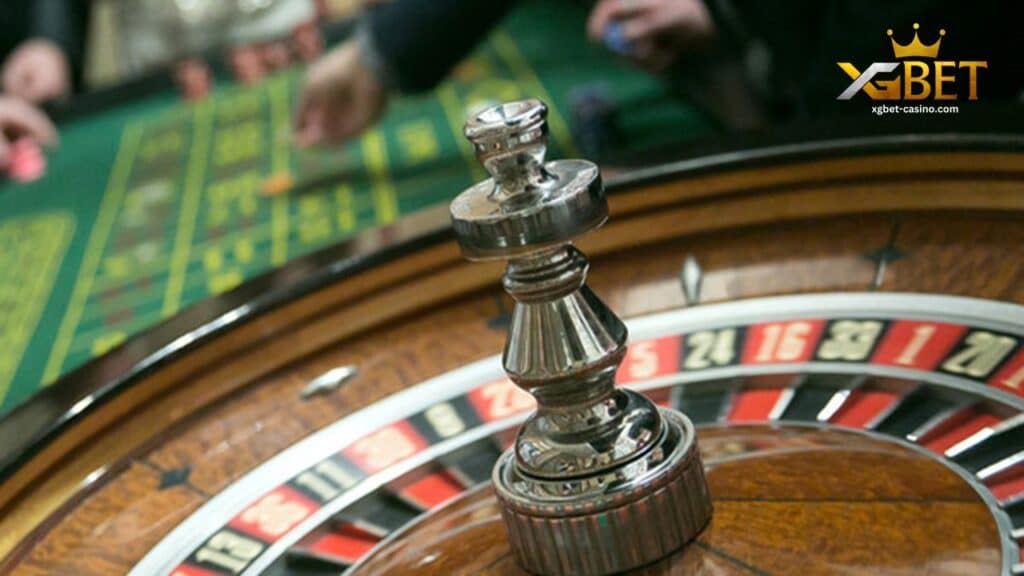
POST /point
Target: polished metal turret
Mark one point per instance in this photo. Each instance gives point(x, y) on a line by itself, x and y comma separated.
point(600, 480)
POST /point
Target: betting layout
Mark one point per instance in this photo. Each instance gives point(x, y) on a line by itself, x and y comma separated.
point(27, 271)
point(200, 197)
point(199, 174)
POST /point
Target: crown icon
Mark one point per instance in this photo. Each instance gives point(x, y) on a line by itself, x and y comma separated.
point(915, 48)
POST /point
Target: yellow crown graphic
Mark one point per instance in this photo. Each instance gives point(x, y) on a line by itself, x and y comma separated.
point(915, 48)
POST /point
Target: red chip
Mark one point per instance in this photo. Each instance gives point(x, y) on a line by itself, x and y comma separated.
point(27, 162)
point(29, 173)
point(247, 64)
point(29, 155)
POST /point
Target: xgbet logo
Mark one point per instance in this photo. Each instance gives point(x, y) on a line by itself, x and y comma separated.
point(918, 74)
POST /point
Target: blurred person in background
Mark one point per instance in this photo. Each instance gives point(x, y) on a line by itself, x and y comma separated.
point(251, 33)
point(743, 60)
point(42, 46)
point(409, 46)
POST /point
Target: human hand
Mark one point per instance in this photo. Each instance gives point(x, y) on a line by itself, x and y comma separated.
point(341, 98)
point(37, 71)
point(658, 31)
point(19, 119)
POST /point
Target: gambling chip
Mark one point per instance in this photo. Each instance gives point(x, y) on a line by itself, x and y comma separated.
point(194, 79)
point(27, 163)
point(616, 41)
point(277, 184)
point(246, 64)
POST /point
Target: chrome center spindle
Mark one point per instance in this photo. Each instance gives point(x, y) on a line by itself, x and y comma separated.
point(600, 480)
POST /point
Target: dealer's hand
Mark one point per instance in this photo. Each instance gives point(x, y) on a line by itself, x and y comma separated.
point(37, 71)
point(340, 100)
point(659, 31)
point(20, 119)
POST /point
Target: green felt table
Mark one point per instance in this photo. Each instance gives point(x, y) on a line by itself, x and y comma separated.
point(152, 205)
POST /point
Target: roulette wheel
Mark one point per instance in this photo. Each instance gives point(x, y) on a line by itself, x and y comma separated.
point(823, 375)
